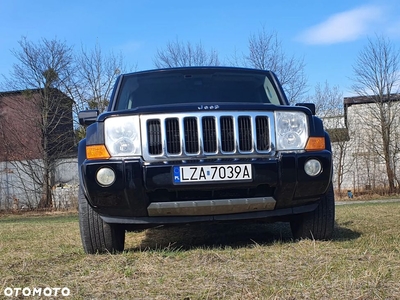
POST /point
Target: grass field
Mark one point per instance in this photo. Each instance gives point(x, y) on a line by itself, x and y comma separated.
point(219, 261)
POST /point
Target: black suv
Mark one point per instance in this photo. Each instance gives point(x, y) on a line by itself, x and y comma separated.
point(202, 144)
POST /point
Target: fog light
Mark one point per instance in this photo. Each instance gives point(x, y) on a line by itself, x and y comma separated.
point(105, 176)
point(313, 167)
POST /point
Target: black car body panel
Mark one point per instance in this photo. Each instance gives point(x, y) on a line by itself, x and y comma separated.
point(277, 176)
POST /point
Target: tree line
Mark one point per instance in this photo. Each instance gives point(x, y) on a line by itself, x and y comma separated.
point(87, 78)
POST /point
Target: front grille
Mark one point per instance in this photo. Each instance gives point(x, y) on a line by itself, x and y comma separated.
point(206, 135)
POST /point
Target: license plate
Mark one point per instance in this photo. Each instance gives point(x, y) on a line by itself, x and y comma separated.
point(183, 174)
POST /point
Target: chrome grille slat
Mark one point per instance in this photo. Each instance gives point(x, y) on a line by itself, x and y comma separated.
point(173, 137)
point(262, 133)
point(245, 133)
point(212, 135)
point(154, 136)
point(191, 135)
point(209, 135)
point(227, 134)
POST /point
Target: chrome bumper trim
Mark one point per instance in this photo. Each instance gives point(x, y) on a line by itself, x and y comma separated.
point(210, 207)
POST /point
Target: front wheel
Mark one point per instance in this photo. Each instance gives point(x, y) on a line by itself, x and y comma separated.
point(319, 223)
point(98, 236)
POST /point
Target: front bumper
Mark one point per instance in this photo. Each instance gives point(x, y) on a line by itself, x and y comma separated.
point(146, 194)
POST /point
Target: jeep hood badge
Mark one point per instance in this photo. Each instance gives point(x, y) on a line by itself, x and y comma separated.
point(210, 107)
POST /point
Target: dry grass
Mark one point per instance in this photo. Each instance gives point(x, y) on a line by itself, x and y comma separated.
point(243, 261)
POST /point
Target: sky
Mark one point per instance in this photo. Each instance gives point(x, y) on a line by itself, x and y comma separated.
point(328, 35)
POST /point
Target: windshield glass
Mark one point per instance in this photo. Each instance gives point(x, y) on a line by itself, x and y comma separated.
point(195, 86)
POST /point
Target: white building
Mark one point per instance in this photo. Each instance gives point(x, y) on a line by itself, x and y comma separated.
point(357, 142)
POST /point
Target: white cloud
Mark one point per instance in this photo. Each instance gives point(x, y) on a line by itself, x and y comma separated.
point(343, 27)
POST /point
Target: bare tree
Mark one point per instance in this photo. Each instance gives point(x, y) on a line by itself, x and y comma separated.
point(376, 78)
point(328, 100)
point(179, 54)
point(92, 80)
point(237, 59)
point(44, 111)
point(266, 53)
point(329, 106)
point(52, 85)
point(96, 74)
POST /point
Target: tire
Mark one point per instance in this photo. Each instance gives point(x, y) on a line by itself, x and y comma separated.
point(318, 224)
point(98, 236)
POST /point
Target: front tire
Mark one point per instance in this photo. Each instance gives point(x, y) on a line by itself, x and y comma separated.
point(98, 236)
point(319, 223)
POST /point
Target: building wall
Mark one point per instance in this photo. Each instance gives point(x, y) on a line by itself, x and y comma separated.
point(23, 127)
point(19, 189)
point(364, 164)
point(19, 132)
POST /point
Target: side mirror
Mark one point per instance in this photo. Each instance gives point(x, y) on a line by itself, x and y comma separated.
point(87, 117)
point(310, 106)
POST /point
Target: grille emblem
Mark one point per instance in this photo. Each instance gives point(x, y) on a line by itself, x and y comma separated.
point(208, 107)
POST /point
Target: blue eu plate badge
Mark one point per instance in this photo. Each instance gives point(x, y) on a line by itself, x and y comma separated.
point(177, 174)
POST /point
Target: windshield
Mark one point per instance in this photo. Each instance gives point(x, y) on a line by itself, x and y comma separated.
point(195, 86)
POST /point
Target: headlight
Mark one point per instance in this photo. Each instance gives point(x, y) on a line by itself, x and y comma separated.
point(122, 136)
point(291, 130)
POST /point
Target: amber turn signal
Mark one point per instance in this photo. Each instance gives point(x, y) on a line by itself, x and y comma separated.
point(315, 144)
point(97, 152)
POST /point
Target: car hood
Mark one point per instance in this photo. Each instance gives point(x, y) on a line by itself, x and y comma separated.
point(201, 107)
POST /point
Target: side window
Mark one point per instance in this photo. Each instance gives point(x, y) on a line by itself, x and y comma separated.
point(270, 91)
point(126, 94)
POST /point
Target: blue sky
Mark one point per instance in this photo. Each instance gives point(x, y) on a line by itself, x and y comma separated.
point(328, 34)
